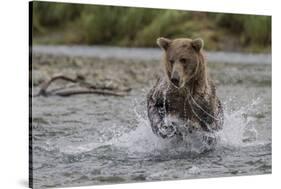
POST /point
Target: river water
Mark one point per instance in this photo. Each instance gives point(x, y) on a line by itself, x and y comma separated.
point(95, 139)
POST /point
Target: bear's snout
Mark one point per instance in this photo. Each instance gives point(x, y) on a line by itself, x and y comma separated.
point(175, 78)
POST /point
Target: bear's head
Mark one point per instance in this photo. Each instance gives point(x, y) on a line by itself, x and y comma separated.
point(183, 60)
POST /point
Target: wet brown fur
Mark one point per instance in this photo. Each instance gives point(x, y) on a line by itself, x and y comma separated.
point(195, 99)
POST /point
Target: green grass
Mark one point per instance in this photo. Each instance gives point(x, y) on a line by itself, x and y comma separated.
point(61, 23)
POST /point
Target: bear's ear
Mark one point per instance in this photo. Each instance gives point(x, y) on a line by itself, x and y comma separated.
point(197, 44)
point(163, 43)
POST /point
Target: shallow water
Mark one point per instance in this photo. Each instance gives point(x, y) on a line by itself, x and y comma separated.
point(91, 139)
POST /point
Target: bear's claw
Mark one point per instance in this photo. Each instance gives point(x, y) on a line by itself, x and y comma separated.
point(167, 131)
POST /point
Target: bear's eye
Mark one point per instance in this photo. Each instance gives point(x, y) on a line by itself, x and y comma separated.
point(172, 61)
point(183, 60)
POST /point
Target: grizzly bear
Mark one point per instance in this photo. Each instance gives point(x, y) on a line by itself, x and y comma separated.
point(184, 99)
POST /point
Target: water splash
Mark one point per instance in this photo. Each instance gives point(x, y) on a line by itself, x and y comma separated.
point(237, 129)
point(142, 140)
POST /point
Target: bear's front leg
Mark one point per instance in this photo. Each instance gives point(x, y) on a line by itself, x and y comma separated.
point(156, 115)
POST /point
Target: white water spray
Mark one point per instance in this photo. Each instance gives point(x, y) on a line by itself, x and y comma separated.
point(143, 140)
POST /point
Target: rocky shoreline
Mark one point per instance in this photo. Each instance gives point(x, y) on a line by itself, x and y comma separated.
point(129, 73)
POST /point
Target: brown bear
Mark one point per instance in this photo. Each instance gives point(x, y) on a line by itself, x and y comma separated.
point(185, 98)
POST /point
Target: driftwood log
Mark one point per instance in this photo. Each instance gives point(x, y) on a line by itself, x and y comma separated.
point(83, 88)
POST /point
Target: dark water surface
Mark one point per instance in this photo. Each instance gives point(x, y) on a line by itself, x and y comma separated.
point(92, 139)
